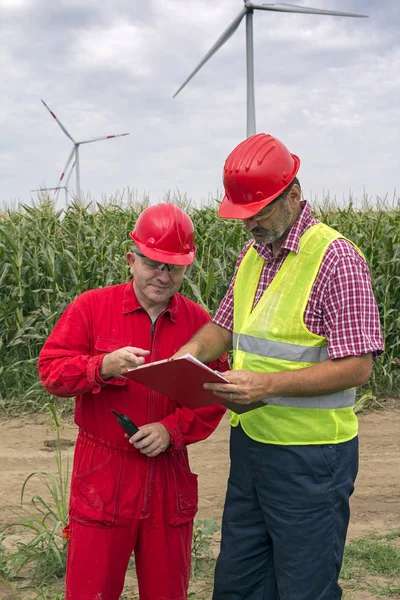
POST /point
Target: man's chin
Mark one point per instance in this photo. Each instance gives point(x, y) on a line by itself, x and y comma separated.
point(261, 239)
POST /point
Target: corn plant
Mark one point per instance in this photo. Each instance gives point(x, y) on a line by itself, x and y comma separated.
point(41, 555)
point(49, 256)
point(377, 233)
point(203, 533)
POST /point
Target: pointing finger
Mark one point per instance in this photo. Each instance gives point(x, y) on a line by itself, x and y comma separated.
point(137, 351)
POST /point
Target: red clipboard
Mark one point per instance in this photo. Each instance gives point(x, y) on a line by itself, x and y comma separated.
point(180, 379)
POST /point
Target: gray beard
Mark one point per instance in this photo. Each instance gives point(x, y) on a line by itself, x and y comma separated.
point(277, 230)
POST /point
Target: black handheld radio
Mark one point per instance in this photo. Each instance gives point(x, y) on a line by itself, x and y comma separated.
point(126, 423)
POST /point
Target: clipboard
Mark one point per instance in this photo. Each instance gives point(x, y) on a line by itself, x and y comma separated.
point(181, 380)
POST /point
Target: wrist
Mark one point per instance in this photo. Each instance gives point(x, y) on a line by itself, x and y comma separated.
point(269, 384)
point(176, 441)
point(103, 370)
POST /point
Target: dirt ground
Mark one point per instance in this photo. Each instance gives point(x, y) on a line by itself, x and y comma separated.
point(376, 502)
point(24, 448)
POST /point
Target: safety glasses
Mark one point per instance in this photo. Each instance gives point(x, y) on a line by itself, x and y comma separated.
point(268, 210)
point(153, 265)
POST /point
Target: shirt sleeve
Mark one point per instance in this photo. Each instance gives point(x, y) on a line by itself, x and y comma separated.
point(66, 366)
point(350, 313)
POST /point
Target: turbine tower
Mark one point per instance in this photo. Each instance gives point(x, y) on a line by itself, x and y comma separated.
point(247, 11)
point(75, 151)
point(59, 187)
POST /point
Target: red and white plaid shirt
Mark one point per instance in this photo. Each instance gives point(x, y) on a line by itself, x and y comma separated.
point(341, 306)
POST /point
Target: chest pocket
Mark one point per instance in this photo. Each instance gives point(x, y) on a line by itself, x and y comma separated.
point(108, 344)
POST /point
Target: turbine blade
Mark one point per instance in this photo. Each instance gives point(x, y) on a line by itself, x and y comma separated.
point(59, 122)
point(104, 137)
point(61, 187)
point(70, 173)
point(220, 42)
point(293, 8)
point(70, 157)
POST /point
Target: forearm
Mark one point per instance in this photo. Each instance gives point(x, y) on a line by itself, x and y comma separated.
point(326, 377)
point(66, 364)
point(208, 344)
point(323, 378)
point(187, 426)
point(67, 375)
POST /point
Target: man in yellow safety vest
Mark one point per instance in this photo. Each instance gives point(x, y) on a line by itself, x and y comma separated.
point(304, 326)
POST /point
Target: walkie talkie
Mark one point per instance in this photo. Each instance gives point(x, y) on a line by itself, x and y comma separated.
point(126, 423)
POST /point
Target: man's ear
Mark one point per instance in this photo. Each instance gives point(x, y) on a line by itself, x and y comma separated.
point(130, 257)
point(295, 194)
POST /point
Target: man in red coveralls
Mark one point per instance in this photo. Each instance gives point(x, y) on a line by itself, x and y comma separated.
point(139, 495)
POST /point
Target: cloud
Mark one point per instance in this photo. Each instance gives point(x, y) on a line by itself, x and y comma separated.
point(328, 87)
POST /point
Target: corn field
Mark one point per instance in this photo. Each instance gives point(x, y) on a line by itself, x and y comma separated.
point(49, 256)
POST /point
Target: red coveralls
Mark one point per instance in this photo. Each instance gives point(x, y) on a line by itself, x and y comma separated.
point(122, 501)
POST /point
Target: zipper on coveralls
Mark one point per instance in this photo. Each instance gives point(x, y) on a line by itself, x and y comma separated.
point(151, 462)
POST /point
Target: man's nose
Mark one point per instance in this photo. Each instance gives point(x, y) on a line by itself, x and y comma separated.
point(249, 223)
point(163, 275)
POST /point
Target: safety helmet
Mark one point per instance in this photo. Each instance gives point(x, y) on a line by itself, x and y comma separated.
point(256, 172)
point(165, 233)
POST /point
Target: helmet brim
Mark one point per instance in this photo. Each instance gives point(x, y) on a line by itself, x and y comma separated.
point(230, 210)
point(165, 257)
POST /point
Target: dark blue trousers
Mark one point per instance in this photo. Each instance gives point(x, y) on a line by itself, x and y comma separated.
point(285, 520)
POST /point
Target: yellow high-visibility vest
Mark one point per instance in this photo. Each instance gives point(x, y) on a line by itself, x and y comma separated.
point(273, 338)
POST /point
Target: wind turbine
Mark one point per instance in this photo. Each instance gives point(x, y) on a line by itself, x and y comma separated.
point(75, 151)
point(59, 187)
point(247, 11)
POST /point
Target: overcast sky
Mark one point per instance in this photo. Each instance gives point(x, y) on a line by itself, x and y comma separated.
point(328, 87)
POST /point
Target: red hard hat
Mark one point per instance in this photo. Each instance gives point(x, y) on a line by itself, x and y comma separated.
point(165, 233)
point(256, 172)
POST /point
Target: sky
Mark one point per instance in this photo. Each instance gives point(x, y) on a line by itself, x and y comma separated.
point(327, 87)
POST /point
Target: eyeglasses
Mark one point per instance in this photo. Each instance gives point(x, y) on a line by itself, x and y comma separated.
point(153, 265)
point(268, 210)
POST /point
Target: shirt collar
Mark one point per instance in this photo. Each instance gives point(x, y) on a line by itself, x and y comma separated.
point(130, 303)
point(292, 243)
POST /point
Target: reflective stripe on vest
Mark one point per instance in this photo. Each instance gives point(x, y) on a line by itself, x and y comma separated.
point(326, 401)
point(273, 349)
point(273, 338)
point(294, 352)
